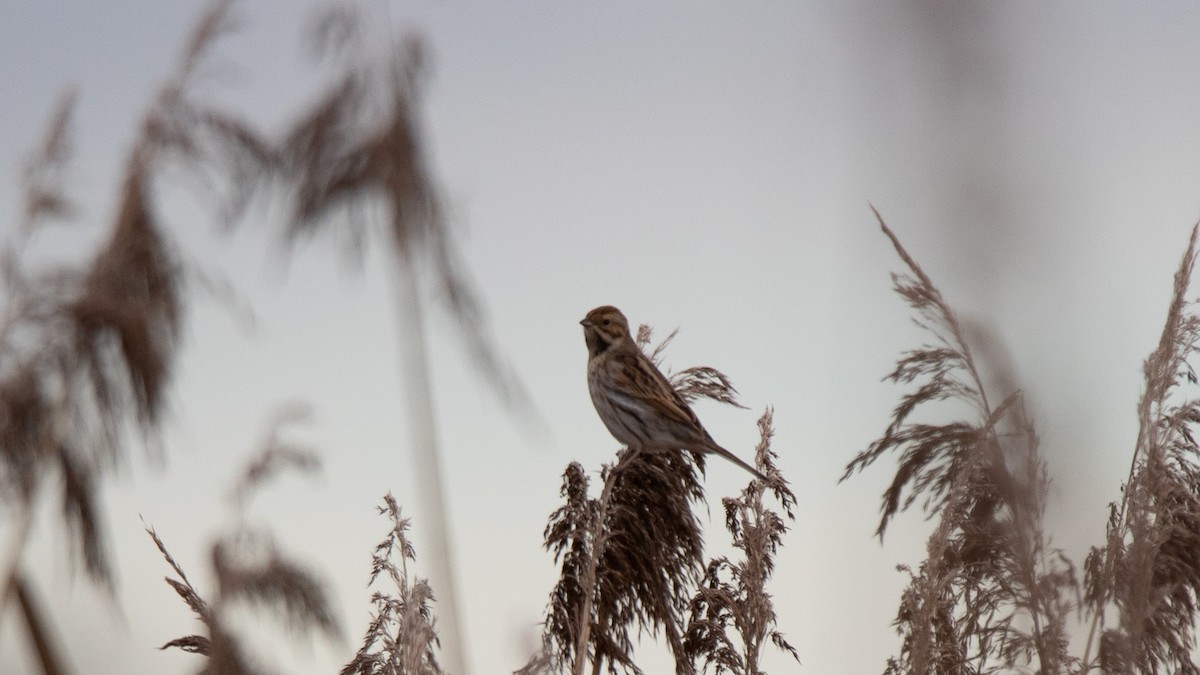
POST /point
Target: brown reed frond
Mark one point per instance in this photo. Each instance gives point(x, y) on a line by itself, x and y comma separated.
point(357, 154)
point(84, 351)
point(215, 22)
point(644, 335)
point(250, 569)
point(130, 308)
point(1149, 567)
point(218, 150)
point(632, 557)
point(277, 454)
point(932, 455)
point(37, 622)
point(355, 159)
point(540, 663)
point(401, 636)
point(628, 558)
point(45, 196)
point(705, 382)
point(691, 383)
point(196, 644)
point(732, 615)
point(991, 593)
point(182, 585)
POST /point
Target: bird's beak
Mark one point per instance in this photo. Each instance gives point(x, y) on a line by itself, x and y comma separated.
point(585, 323)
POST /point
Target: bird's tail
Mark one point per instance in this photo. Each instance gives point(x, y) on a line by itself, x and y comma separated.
point(714, 448)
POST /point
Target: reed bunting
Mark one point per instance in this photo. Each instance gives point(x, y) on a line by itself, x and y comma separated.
point(634, 399)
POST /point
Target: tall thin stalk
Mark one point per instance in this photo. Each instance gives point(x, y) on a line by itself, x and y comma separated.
point(357, 150)
point(429, 477)
point(583, 619)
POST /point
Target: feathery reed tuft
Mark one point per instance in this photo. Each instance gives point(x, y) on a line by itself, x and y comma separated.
point(401, 636)
point(732, 620)
point(357, 152)
point(991, 593)
point(251, 570)
point(1149, 566)
point(87, 351)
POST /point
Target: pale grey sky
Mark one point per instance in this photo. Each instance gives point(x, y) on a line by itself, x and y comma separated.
point(700, 165)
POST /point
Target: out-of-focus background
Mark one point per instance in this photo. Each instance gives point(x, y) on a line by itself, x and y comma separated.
point(703, 166)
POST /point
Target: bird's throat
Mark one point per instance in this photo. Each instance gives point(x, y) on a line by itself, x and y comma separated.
point(598, 344)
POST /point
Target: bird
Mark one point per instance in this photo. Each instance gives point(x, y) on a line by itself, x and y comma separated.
point(634, 399)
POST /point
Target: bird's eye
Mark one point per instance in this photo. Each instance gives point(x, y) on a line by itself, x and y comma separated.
point(607, 321)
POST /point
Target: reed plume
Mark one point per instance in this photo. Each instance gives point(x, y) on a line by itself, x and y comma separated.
point(251, 569)
point(992, 593)
point(1148, 569)
point(401, 636)
point(732, 616)
point(87, 351)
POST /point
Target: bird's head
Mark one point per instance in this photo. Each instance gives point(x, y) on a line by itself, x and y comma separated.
point(605, 327)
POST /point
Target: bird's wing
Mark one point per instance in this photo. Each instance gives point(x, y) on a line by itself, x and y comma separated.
point(647, 386)
point(651, 388)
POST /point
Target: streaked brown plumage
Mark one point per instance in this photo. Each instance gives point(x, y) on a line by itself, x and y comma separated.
point(634, 399)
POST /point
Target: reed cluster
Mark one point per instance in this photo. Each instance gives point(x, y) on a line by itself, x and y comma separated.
point(87, 353)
